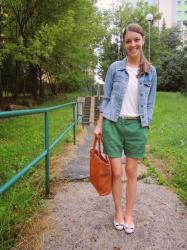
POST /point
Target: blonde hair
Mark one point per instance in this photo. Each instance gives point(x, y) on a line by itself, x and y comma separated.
point(144, 66)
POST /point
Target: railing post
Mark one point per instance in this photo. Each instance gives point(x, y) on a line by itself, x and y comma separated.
point(75, 121)
point(47, 160)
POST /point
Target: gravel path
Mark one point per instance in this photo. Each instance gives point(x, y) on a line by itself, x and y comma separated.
point(81, 219)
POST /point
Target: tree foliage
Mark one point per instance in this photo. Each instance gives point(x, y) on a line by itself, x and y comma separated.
point(170, 69)
point(54, 38)
point(170, 63)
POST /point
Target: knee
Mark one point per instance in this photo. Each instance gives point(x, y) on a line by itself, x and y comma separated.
point(117, 174)
point(131, 173)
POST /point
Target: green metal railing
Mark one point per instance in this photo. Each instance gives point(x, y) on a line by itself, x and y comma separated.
point(76, 118)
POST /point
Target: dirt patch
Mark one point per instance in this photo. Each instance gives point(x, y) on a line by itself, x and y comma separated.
point(25, 101)
point(161, 165)
point(30, 236)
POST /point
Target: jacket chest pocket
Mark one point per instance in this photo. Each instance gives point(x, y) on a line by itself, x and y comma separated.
point(117, 84)
point(147, 86)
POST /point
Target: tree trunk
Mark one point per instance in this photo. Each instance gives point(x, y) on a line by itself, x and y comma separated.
point(15, 88)
point(33, 80)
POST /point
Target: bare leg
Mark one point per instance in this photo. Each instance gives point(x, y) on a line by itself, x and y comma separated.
point(117, 187)
point(131, 187)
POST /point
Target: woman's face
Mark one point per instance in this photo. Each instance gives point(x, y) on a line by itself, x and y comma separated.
point(133, 43)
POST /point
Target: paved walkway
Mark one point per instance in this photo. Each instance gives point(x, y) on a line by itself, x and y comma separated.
point(81, 219)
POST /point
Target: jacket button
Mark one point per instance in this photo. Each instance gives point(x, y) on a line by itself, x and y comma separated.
point(142, 116)
point(141, 94)
point(141, 106)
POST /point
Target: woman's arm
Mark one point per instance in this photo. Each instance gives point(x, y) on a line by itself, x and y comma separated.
point(98, 128)
point(108, 87)
point(106, 98)
point(152, 97)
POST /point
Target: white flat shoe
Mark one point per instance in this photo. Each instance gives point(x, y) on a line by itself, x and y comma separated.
point(129, 229)
point(119, 226)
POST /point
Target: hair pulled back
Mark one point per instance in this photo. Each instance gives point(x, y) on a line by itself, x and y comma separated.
point(144, 66)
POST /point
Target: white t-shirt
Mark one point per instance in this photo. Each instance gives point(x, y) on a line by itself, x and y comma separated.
point(130, 99)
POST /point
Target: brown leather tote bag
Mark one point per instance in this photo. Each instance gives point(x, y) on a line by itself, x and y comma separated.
point(100, 169)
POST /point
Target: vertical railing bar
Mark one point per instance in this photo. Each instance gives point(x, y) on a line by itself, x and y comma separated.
point(74, 126)
point(47, 160)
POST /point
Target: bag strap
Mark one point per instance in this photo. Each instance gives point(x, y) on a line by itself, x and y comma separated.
point(99, 140)
point(96, 139)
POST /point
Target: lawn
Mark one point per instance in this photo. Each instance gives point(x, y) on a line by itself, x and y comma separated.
point(168, 139)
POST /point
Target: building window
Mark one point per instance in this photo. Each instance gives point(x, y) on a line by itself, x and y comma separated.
point(179, 2)
point(185, 12)
point(185, 2)
point(179, 12)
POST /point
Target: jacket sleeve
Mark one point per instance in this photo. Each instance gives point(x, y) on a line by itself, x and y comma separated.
point(108, 85)
point(152, 96)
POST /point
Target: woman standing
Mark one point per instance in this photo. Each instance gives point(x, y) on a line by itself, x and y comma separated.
point(125, 115)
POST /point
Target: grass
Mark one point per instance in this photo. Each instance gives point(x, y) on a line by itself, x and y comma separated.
point(153, 172)
point(21, 140)
point(168, 139)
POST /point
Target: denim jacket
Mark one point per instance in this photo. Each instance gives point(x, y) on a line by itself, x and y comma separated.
point(116, 82)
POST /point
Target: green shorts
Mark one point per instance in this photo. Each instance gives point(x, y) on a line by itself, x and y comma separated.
point(127, 135)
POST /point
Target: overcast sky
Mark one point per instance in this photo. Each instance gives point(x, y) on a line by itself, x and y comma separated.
point(107, 4)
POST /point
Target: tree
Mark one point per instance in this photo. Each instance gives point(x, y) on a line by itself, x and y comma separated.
point(171, 71)
point(58, 37)
point(170, 64)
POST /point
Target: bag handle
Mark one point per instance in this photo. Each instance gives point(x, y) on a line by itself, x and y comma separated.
point(99, 140)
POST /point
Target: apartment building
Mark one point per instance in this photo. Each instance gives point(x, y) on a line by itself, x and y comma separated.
point(168, 8)
point(182, 19)
point(181, 11)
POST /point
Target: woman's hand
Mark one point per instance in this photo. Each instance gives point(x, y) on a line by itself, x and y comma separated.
point(98, 131)
point(98, 128)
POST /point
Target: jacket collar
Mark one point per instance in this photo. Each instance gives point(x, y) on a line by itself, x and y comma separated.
point(122, 64)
